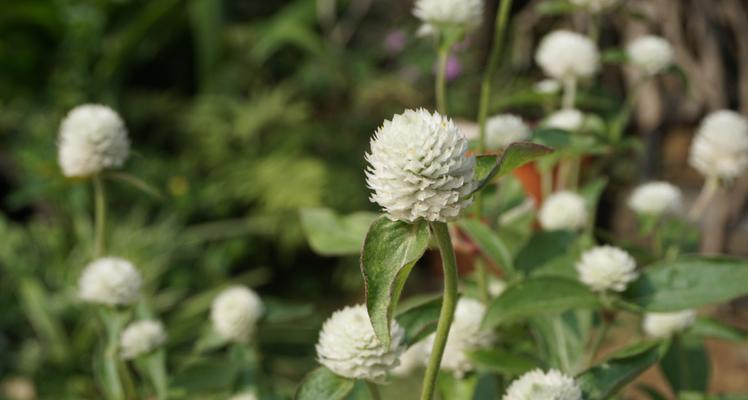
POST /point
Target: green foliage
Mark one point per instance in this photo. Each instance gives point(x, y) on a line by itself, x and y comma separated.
point(323, 384)
point(604, 380)
point(517, 154)
point(331, 235)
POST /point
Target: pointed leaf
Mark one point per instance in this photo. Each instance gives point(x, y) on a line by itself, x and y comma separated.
point(324, 384)
point(334, 235)
point(489, 243)
point(604, 380)
point(686, 364)
point(391, 249)
point(709, 328)
point(419, 320)
point(516, 155)
point(501, 361)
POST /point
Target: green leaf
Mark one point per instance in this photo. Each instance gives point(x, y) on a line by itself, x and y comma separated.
point(489, 243)
point(562, 338)
point(538, 296)
point(516, 155)
point(454, 388)
point(333, 235)
point(544, 251)
point(689, 283)
point(391, 249)
point(556, 7)
point(606, 379)
point(709, 328)
point(686, 365)
point(323, 384)
point(419, 320)
point(614, 56)
point(502, 362)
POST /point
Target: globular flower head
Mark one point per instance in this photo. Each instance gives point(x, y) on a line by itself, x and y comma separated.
point(349, 347)
point(663, 325)
point(465, 335)
point(565, 54)
point(141, 337)
point(567, 119)
point(418, 167)
point(92, 138)
point(595, 5)
point(111, 281)
point(563, 210)
point(505, 129)
point(539, 385)
point(720, 148)
point(656, 198)
point(606, 268)
point(466, 14)
point(235, 313)
point(650, 53)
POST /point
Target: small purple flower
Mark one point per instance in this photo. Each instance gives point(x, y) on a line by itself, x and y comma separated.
point(394, 42)
point(454, 68)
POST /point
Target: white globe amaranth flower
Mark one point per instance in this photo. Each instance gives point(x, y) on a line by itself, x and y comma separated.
point(110, 280)
point(235, 313)
point(539, 385)
point(652, 54)
point(418, 167)
point(720, 148)
point(249, 395)
point(663, 325)
point(141, 337)
point(564, 54)
point(496, 287)
point(416, 356)
point(656, 198)
point(92, 138)
point(548, 86)
point(349, 347)
point(563, 210)
point(462, 13)
point(505, 129)
point(595, 5)
point(567, 119)
point(465, 335)
point(606, 268)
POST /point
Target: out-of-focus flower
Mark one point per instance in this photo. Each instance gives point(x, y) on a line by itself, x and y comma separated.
point(453, 69)
point(466, 14)
point(92, 138)
point(496, 287)
point(720, 148)
point(249, 395)
point(568, 119)
point(394, 42)
point(563, 210)
point(349, 347)
point(595, 5)
point(539, 385)
point(141, 337)
point(564, 54)
point(650, 53)
point(111, 281)
point(606, 268)
point(418, 167)
point(235, 313)
point(663, 325)
point(656, 198)
point(415, 357)
point(17, 388)
point(505, 129)
point(548, 86)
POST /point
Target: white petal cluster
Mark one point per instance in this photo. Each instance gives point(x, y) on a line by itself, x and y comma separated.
point(720, 148)
point(465, 334)
point(235, 313)
point(595, 5)
point(567, 119)
point(548, 86)
point(656, 198)
point(244, 396)
point(606, 268)
point(496, 287)
point(663, 325)
point(505, 129)
point(349, 347)
point(563, 210)
point(92, 138)
point(141, 337)
point(111, 281)
point(464, 13)
point(564, 54)
point(418, 167)
point(650, 53)
point(539, 385)
point(415, 357)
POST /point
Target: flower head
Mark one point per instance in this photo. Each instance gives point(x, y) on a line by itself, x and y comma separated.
point(92, 138)
point(595, 5)
point(539, 385)
point(349, 347)
point(465, 334)
point(111, 281)
point(418, 167)
point(567, 119)
point(141, 337)
point(663, 325)
point(606, 268)
point(565, 54)
point(563, 210)
point(650, 53)
point(656, 198)
point(505, 129)
point(720, 148)
point(235, 313)
point(466, 14)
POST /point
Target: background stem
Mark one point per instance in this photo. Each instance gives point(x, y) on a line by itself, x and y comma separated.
point(373, 391)
point(441, 80)
point(99, 215)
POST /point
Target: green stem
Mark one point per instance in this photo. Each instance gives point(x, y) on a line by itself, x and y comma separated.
point(599, 340)
point(570, 92)
point(449, 302)
point(156, 369)
point(373, 391)
point(441, 80)
point(705, 197)
point(99, 215)
point(113, 384)
point(483, 281)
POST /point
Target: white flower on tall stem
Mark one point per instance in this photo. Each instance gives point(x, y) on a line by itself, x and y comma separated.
point(720, 148)
point(567, 119)
point(92, 138)
point(235, 313)
point(111, 281)
point(349, 347)
point(663, 325)
point(466, 14)
point(652, 54)
point(418, 167)
point(539, 385)
point(656, 198)
point(606, 268)
point(505, 129)
point(563, 210)
point(141, 337)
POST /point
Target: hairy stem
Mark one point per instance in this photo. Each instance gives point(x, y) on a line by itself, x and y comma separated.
point(449, 302)
point(99, 215)
point(373, 391)
point(441, 80)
